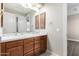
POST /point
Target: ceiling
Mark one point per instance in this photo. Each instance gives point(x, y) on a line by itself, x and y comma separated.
point(16, 8)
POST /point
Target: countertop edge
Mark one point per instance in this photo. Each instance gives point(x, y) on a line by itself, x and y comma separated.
point(3, 41)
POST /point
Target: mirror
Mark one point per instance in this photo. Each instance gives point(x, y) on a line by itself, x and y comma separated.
point(17, 18)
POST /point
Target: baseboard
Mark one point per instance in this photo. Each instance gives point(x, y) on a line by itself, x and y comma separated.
point(52, 53)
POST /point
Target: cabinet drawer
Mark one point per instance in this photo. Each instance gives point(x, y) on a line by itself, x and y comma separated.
point(12, 44)
point(37, 40)
point(29, 44)
point(29, 53)
point(44, 37)
point(28, 41)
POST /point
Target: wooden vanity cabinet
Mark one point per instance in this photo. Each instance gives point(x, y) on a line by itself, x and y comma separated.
point(14, 48)
point(28, 47)
point(15, 51)
point(24, 47)
point(37, 46)
point(40, 45)
point(2, 49)
point(43, 43)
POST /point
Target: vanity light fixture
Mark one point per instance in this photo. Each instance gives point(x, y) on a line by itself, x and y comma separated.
point(34, 6)
point(37, 5)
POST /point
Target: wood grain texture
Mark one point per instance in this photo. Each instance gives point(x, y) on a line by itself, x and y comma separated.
point(37, 42)
point(27, 47)
point(37, 22)
point(42, 20)
point(43, 44)
point(15, 51)
point(37, 52)
point(12, 44)
point(29, 53)
point(2, 49)
point(36, 46)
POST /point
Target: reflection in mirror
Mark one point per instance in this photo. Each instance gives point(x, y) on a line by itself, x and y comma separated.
point(17, 18)
point(16, 24)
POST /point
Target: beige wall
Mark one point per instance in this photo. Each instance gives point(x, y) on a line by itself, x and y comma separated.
point(73, 26)
point(56, 28)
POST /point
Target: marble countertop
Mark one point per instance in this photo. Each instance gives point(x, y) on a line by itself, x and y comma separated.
point(20, 36)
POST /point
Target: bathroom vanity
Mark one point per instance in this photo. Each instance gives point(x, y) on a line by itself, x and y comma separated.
point(29, 46)
point(19, 38)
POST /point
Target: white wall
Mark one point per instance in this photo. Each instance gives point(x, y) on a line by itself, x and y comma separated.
point(55, 23)
point(56, 19)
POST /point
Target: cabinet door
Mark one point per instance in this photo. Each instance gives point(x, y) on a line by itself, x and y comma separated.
point(15, 51)
point(28, 47)
point(2, 49)
point(37, 46)
point(37, 22)
point(43, 44)
point(42, 20)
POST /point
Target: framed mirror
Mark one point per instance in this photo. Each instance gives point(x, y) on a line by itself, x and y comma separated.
point(17, 18)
